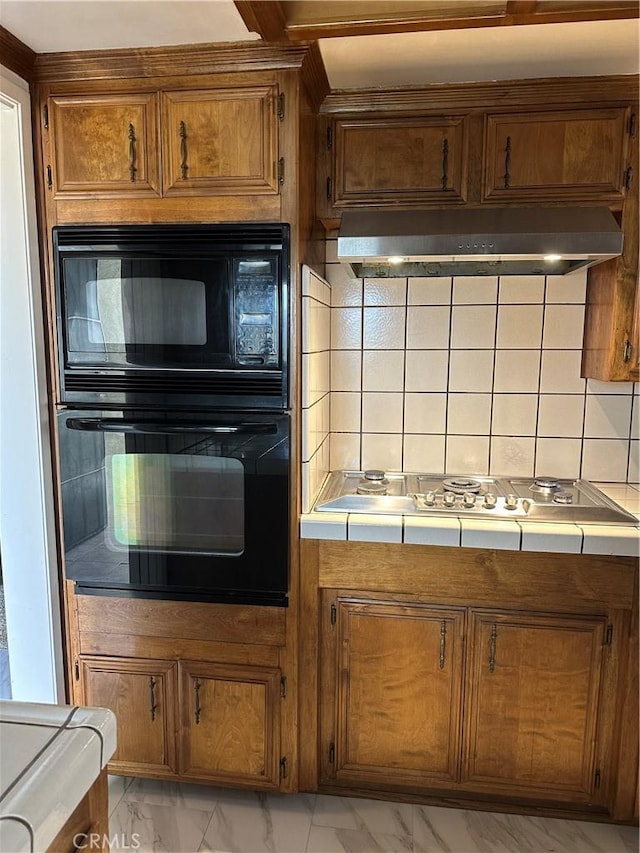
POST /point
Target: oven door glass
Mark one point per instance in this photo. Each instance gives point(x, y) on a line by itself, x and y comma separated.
point(176, 506)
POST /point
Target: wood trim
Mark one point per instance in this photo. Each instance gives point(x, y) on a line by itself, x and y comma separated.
point(314, 76)
point(170, 61)
point(480, 577)
point(309, 661)
point(181, 620)
point(265, 17)
point(308, 30)
point(16, 55)
point(509, 94)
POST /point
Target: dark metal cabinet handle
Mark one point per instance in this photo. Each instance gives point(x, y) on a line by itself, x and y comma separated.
point(628, 177)
point(445, 163)
point(507, 163)
point(492, 648)
point(152, 698)
point(443, 643)
point(198, 709)
point(132, 153)
point(183, 151)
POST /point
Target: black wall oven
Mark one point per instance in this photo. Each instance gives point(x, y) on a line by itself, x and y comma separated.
point(173, 427)
point(176, 505)
point(180, 316)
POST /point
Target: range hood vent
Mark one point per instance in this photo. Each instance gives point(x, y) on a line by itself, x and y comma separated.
point(483, 241)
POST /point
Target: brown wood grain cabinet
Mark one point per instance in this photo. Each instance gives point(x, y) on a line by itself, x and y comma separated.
point(532, 700)
point(142, 695)
point(104, 144)
point(222, 141)
point(392, 691)
point(391, 160)
point(560, 155)
point(394, 676)
point(230, 723)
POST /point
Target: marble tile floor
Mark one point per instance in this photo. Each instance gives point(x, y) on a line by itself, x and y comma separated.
point(178, 818)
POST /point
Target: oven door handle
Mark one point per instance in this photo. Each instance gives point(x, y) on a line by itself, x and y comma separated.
point(168, 427)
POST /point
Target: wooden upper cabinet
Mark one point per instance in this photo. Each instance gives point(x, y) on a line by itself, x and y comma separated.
point(230, 723)
point(398, 161)
point(104, 144)
point(141, 693)
point(533, 694)
point(220, 142)
point(391, 694)
point(572, 155)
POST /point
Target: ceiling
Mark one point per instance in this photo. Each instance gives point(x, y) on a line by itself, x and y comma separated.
point(378, 43)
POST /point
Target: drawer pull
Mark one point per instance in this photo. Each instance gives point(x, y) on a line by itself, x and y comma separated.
point(132, 153)
point(507, 163)
point(492, 648)
point(183, 151)
point(445, 163)
point(198, 709)
point(443, 643)
point(152, 698)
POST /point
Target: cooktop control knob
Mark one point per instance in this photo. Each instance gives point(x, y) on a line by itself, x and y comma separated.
point(469, 499)
point(449, 499)
point(430, 498)
point(511, 502)
point(490, 500)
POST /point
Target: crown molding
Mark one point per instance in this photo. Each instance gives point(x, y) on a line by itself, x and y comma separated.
point(176, 60)
point(507, 93)
point(16, 56)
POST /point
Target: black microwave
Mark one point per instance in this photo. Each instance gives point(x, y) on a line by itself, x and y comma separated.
point(173, 316)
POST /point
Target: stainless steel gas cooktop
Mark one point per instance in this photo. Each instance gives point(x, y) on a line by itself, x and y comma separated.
point(521, 498)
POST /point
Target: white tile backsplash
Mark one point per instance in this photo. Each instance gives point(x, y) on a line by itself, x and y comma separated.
point(464, 375)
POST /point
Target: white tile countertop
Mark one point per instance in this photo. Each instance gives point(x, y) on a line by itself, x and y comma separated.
point(50, 755)
point(455, 531)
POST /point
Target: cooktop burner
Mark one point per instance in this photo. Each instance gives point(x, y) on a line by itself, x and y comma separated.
point(525, 499)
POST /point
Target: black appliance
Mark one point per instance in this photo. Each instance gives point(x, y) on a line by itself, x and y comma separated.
point(173, 316)
point(177, 505)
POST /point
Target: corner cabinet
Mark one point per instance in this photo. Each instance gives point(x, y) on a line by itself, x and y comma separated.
point(103, 144)
point(427, 697)
point(568, 155)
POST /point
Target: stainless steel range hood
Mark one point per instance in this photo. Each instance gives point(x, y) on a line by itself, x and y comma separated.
point(483, 241)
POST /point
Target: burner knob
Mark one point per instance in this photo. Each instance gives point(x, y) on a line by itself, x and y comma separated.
point(449, 499)
point(511, 502)
point(490, 500)
point(469, 499)
point(374, 474)
point(430, 498)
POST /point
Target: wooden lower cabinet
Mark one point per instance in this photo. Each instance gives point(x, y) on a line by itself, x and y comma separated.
point(142, 695)
point(392, 707)
point(199, 720)
point(426, 697)
point(532, 704)
point(230, 723)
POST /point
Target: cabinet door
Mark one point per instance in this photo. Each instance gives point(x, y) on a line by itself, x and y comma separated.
point(390, 703)
point(575, 155)
point(391, 161)
point(230, 723)
point(105, 145)
point(141, 693)
point(533, 694)
point(220, 142)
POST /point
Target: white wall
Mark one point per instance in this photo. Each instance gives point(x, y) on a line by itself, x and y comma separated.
point(27, 535)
